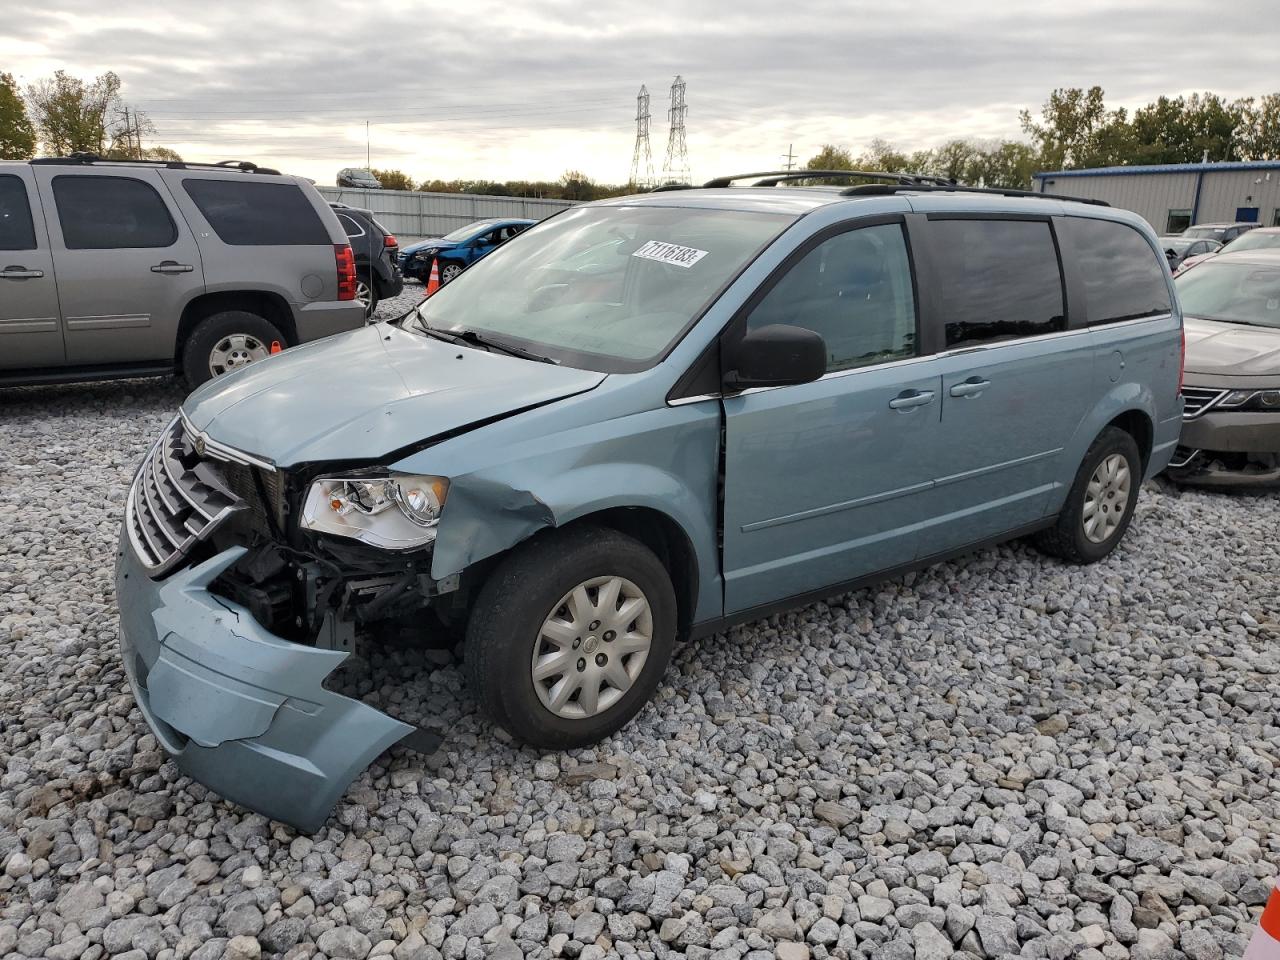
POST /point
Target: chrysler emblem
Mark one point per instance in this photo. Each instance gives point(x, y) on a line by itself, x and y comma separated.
point(200, 446)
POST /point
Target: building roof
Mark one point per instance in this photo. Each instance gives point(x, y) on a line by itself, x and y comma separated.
point(1225, 166)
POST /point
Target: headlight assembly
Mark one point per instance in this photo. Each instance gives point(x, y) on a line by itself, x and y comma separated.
point(1251, 400)
point(395, 512)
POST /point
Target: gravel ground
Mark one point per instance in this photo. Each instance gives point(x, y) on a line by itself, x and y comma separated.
point(999, 756)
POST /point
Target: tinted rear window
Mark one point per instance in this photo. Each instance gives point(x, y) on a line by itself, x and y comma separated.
point(111, 213)
point(248, 214)
point(1123, 277)
point(16, 230)
point(999, 280)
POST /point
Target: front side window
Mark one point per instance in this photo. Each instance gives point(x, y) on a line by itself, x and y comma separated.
point(606, 288)
point(16, 229)
point(998, 280)
point(853, 289)
point(248, 214)
point(1123, 279)
point(111, 213)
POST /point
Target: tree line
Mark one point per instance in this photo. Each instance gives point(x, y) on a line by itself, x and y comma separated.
point(1075, 129)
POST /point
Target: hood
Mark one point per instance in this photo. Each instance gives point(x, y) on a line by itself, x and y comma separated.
point(363, 394)
point(1231, 349)
point(427, 245)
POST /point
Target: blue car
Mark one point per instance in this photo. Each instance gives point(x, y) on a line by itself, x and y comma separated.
point(458, 250)
point(644, 420)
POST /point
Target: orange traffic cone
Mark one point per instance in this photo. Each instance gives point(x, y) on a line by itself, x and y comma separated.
point(1265, 944)
point(433, 281)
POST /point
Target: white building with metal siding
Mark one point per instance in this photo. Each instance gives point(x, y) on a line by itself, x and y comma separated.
point(413, 215)
point(1171, 197)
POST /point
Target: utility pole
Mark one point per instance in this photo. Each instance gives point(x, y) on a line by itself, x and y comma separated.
point(676, 169)
point(790, 157)
point(368, 165)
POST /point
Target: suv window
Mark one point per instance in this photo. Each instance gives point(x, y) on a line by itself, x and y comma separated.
point(248, 214)
point(998, 280)
point(111, 213)
point(1122, 275)
point(350, 226)
point(855, 290)
point(16, 229)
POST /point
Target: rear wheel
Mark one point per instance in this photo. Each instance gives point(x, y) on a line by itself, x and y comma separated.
point(226, 341)
point(570, 636)
point(367, 294)
point(1100, 504)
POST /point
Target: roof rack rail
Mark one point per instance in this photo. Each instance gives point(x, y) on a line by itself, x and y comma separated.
point(771, 178)
point(85, 157)
point(882, 189)
point(673, 186)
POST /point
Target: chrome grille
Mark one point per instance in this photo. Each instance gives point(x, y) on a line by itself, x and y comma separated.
point(1198, 400)
point(179, 496)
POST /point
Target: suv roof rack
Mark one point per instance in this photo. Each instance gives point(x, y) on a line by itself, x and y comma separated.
point(85, 157)
point(881, 189)
point(771, 178)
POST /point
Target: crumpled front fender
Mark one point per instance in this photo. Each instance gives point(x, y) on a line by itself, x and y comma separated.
point(242, 710)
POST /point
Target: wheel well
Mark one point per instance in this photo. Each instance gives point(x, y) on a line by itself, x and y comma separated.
point(1139, 426)
point(269, 306)
point(668, 541)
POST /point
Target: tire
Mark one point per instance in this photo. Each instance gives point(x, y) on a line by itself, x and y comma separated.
point(1080, 538)
point(520, 598)
point(215, 339)
point(370, 297)
point(449, 271)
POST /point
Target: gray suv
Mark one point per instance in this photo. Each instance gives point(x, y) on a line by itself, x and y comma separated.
point(125, 268)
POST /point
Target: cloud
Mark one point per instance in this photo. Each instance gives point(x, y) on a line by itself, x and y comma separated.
point(508, 90)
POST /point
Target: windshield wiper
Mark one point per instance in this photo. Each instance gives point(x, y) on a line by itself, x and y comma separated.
point(479, 340)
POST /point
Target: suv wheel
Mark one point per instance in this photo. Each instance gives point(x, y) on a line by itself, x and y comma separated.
point(226, 341)
point(1100, 504)
point(570, 636)
point(368, 295)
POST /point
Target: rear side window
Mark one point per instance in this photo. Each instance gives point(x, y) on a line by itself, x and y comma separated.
point(248, 214)
point(16, 229)
point(349, 224)
point(111, 213)
point(998, 280)
point(1123, 277)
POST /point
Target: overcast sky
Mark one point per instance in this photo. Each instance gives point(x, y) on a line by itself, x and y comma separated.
point(524, 91)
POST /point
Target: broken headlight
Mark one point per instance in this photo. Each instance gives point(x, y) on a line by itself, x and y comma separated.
point(395, 512)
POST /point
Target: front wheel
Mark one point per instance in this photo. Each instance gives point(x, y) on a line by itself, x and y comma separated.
point(1099, 507)
point(570, 636)
point(449, 271)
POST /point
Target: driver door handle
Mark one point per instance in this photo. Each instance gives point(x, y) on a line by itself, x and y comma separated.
point(20, 273)
point(970, 388)
point(911, 398)
point(172, 266)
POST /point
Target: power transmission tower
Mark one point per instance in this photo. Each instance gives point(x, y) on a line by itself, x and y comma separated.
point(642, 159)
point(676, 169)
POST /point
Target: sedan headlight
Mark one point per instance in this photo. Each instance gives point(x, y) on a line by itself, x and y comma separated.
point(395, 512)
point(1251, 400)
point(426, 254)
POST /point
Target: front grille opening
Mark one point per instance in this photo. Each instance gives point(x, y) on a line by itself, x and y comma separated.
point(1198, 400)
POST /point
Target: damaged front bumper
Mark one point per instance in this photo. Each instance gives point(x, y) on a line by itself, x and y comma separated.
point(240, 709)
point(1225, 448)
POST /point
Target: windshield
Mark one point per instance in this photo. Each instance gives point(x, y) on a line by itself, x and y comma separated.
point(1205, 233)
point(607, 288)
point(1176, 244)
point(1231, 292)
point(470, 230)
point(1253, 240)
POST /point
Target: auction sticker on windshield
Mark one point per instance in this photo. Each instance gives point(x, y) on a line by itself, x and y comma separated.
point(671, 253)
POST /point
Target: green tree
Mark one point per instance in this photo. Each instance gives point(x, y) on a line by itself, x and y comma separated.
point(1259, 131)
point(1077, 130)
point(576, 185)
point(72, 115)
point(393, 179)
point(1008, 163)
point(831, 157)
point(17, 134)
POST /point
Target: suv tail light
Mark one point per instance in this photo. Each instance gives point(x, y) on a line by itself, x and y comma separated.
point(390, 241)
point(345, 261)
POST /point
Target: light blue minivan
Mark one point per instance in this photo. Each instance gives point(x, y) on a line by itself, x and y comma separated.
point(641, 421)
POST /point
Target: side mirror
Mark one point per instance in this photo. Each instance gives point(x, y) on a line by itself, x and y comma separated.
point(776, 356)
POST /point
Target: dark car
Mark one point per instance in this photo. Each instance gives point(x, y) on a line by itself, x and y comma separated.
point(358, 178)
point(377, 256)
point(458, 250)
point(1180, 248)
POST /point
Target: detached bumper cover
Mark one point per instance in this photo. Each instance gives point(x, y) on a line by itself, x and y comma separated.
point(238, 708)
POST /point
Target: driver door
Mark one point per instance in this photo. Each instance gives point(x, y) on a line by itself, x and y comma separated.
point(824, 480)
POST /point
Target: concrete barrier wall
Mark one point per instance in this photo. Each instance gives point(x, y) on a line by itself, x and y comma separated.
point(412, 215)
